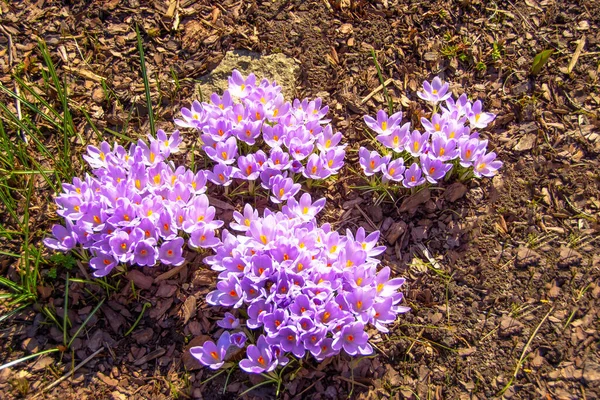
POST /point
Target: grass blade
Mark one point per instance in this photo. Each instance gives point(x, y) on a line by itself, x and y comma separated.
point(20, 360)
point(388, 98)
point(146, 82)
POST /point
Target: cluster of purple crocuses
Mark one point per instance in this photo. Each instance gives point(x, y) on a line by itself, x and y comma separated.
point(134, 207)
point(448, 139)
point(251, 133)
point(305, 288)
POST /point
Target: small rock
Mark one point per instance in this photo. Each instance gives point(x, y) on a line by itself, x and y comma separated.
point(31, 345)
point(526, 142)
point(467, 352)
point(42, 363)
point(143, 336)
point(166, 290)
point(385, 225)
point(591, 371)
point(509, 327)
point(392, 376)
point(396, 230)
point(455, 191)
point(376, 213)
point(411, 203)
point(527, 257)
point(569, 258)
point(139, 279)
point(95, 342)
point(537, 361)
point(107, 379)
point(98, 95)
point(351, 203)
point(116, 395)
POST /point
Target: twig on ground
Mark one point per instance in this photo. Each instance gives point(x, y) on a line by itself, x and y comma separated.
point(68, 374)
point(366, 217)
point(376, 90)
point(17, 91)
point(520, 362)
point(576, 54)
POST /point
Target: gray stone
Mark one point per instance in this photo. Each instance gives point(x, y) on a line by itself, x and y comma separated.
point(284, 70)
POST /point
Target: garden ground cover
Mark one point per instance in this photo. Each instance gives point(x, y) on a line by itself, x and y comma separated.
point(502, 275)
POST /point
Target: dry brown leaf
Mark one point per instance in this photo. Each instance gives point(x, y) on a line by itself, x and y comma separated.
point(188, 309)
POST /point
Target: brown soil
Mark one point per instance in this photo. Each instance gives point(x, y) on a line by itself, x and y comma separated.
point(503, 281)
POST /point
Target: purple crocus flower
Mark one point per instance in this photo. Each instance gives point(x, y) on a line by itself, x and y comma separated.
point(274, 321)
point(305, 208)
point(361, 301)
point(385, 286)
point(443, 149)
point(238, 339)
point(315, 168)
point(125, 213)
point(435, 91)
point(328, 139)
point(203, 237)
point(470, 150)
point(170, 252)
point(300, 149)
point(193, 117)
point(224, 152)
point(302, 307)
point(289, 341)
point(371, 162)
point(221, 174)
point(367, 242)
point(393, 170)
point(383, 125)
point(260, 358)
point(283, 189)
point(145, 253)
point(396, 139)
point(437, 124)
point(256, 312)
point(434, 168)
point(240, 87)
point(210, 354)
point(229, 321)
point(413, 176)
point(278, 159)
point(242, 221)
point(224, 102)
point(333, 159)
point(121, 244)
point(459, 105)
point(96, 157)
point(102, 264)
point(313, 338)
point(478, 118)
point(248, 131)
point(273, 135)
point(326, 349)
point(417, 143)
point(383, 314)
point(64, 237)
point(353, 339)
point(486, 165)
point(228, 293)
point(248, 168)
